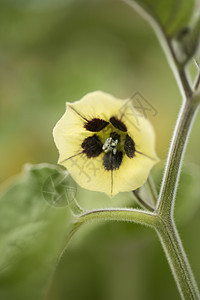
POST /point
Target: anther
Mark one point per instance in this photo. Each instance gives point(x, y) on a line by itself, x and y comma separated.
point(110, 145)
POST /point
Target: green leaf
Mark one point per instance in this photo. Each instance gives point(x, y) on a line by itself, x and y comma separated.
point(33, 229)
point(170, 15)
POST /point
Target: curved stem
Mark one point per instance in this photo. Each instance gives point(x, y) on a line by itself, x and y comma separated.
point(167, 234)
point(130, 215)
point(177, 68)
point(141, 201)
point(174, 162)
point(197, 82)
point(177, 259)
point(152, 189)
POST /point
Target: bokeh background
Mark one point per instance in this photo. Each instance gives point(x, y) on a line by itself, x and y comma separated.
point(57, 51)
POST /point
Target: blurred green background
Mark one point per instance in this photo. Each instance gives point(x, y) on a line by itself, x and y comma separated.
point(57, 51)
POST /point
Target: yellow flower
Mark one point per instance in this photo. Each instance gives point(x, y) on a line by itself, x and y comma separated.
point(105, 144)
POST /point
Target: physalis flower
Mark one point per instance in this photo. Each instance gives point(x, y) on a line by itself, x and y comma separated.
point(105, 143)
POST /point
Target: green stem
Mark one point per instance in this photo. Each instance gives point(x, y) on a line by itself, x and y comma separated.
point(174, 162)
point(141, 202)
point(168, 236)
point(130, 215)
point(152, 189)
point(197, 82)
point(177, 68)
point(177, 259)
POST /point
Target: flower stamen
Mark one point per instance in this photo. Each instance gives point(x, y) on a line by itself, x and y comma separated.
point(110, 145)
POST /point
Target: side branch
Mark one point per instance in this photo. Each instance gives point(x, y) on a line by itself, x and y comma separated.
point(130, 215)
point(177, 67)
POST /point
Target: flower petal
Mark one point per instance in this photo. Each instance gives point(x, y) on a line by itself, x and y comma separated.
point(88, 171)
point(98, 105)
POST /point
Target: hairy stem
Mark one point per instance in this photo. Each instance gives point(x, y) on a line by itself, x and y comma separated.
point(174, 162)
point(177, 68)
point(130, 215)
point(168, 236)
point(177, 259)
